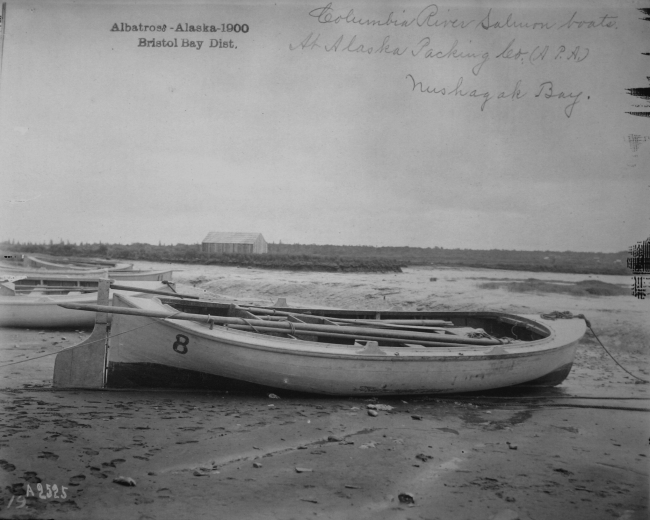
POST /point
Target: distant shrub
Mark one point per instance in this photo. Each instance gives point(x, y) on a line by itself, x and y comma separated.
point(307, 263)
point(583, 288)
point(598, 288)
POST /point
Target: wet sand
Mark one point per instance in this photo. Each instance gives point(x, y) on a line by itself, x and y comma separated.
point(577, 451)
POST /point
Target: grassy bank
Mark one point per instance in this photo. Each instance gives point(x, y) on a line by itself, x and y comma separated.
point(306, 263)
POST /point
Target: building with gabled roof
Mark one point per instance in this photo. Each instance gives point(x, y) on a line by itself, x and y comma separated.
point(220, 242)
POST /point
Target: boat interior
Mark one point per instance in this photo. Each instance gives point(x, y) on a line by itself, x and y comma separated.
point(387, 328)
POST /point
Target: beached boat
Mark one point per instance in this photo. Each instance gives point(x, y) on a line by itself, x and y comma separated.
point(19, 270)
point(133, 274)
point(32, 266)
point(40, 308)
point(75, 264)
point(58, 283)
point(172, 342)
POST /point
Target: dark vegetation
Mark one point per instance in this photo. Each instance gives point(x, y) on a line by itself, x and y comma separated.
point(192, 254)
point(343, 258)
point(582, 288)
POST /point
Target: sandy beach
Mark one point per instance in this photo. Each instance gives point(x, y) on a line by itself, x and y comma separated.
point(577, 451)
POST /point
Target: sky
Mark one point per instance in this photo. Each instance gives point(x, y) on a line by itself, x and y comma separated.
point(462, 125)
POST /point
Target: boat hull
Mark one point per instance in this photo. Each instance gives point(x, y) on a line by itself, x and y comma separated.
point(141, 347)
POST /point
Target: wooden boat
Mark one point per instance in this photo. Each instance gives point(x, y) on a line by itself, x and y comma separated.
point(41, 283)
point(171, 342)
point(75, 264)
point(133, 275)
point(41, 308)
point(94, 263)
point(17, 271)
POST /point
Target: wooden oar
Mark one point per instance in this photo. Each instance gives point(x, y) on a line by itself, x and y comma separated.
point(416, 322)
point(152, 291)
point(435, 325)
point(392, 335)
point(344, 335)
point(321, 320)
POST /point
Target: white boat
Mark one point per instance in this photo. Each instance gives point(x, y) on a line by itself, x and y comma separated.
point(17, 271)
point(76, 265)
point(46, 274)
point(171, 342)
point(40, 308)
point(31, 266)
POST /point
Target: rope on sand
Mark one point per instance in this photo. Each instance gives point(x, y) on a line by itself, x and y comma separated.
point(567, 315)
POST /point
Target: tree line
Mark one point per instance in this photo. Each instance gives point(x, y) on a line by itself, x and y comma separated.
point(341, 258)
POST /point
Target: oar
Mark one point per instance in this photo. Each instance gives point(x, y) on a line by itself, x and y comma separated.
point(414, 323)
point(392, 335)
point(436, 325)
point(344, 335)
point(86, 288)
point(417, 322)
point(151, 291)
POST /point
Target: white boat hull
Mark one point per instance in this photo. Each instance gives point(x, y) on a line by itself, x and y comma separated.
point(41, 311)
point(141, 346)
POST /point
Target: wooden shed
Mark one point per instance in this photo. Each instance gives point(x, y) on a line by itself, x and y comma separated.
point(220, 242)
